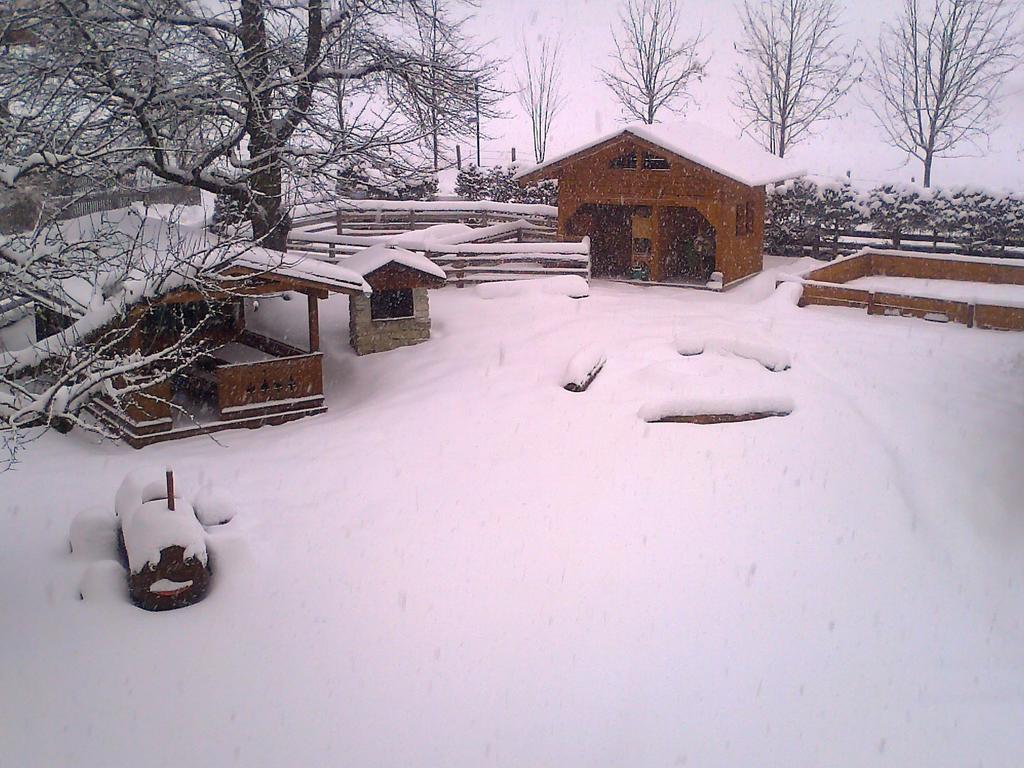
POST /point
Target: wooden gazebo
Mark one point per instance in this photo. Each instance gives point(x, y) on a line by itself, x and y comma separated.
point(673, 203)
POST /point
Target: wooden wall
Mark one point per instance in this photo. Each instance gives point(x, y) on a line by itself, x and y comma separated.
point(590, 179)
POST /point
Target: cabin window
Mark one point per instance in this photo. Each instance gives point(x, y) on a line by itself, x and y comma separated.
point(744, 218)
point(627, 160)
point(655, 162)
point(391, 305)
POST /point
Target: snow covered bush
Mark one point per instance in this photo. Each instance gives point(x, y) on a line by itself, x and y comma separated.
point(470, 183)
point(838, 209)
point(803, 212)
point(788, 213)
point(498, 184)
point(895, 209)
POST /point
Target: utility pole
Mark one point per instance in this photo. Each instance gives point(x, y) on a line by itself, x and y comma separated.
point(476, 101)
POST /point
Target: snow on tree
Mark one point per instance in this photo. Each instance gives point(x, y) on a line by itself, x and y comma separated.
point(895, 209)
point(938, 71)
point(92, 280)
point(795, 68)
point(470, 183)
point(837, 210)
point(228, 96)
point(652, 66)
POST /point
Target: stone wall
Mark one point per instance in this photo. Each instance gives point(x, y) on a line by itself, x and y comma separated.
point(368, 335)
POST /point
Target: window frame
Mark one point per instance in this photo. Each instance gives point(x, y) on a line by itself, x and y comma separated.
point(396, 297)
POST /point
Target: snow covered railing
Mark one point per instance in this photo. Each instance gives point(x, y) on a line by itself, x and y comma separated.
point(469, 255)
point(394, 216)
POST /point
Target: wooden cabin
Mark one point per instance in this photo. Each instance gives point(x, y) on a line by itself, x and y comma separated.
point(669, 203)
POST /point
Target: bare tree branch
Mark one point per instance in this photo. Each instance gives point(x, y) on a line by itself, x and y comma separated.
point(795, 69)
point(653, 67)
point(540, 89)
point(938, 72)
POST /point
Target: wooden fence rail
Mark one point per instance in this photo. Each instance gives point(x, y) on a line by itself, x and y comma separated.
point(822, 244)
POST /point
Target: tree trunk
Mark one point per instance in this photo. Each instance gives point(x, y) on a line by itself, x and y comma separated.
point(928, 169)
point(270, 221)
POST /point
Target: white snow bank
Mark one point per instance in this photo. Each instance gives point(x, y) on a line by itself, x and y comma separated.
point(726, 403)
point(104, 582)
point(573, 286)
point(93, 533)
point(740, 344)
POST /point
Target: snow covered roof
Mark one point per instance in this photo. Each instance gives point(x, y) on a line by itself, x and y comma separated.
point(324, 274)
point(738, 159)
point(376, 256)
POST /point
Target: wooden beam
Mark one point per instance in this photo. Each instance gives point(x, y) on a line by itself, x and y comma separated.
point(314, 321)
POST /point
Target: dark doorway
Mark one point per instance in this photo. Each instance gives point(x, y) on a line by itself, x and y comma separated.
point(687, 245)
point(610, 231)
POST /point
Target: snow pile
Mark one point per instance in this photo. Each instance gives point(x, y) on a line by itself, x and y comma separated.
point(441, 233)
point(103, 582)
point(148, 526)
point(153, 527)
point(573, 286)
point(213, 508)
point(93, 533)
point(741, 343)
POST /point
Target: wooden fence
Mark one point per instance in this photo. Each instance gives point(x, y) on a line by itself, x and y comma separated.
point(822, 244)
point(508, 241)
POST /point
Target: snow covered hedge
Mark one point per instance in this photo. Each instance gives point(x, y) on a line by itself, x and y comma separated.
point(498, 184)
point(805, 212)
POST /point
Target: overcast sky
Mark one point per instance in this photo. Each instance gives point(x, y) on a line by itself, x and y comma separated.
point(851, 143)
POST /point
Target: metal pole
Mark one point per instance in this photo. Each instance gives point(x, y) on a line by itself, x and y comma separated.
point(476, 100)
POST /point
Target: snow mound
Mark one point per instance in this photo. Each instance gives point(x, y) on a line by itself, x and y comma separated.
point(142, 485)
point(583, 368)
point(441, 233)
point(573, 286)
point(726, 404)
point(738, 344)
point(104, 582)
point(93, 533)
point(153, 527)
point(213, 508)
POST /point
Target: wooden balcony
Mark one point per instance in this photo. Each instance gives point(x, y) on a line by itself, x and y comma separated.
point(245, 383)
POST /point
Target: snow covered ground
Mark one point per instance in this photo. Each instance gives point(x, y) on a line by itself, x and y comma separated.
point(462, 564)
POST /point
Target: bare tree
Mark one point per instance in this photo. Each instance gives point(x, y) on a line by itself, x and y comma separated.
point(795, 70)
point(938, 72)
point(540, 89)
point(222, 96)
point(653, 66)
